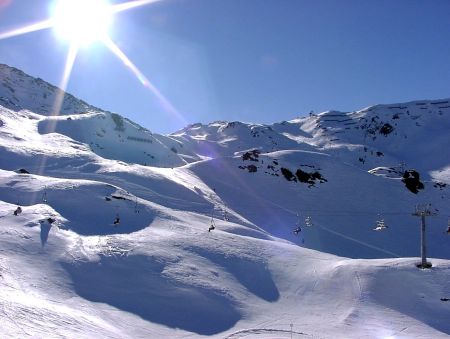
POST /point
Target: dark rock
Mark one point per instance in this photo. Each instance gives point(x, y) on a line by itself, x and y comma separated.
point(310, 178)
point(303, 176)
point(411, 179)
point(251, 155)
point(386, 129)
point(440, 185)
point(288, 174)
point(252, 168)
point(118, 197)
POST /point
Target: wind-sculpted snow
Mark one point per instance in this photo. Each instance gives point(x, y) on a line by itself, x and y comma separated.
point(252, 273)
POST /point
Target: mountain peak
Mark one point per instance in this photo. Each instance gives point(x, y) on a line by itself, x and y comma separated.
point(19, 90)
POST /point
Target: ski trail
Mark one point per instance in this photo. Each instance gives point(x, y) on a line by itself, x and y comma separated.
point(358, 280)
point(263, 331)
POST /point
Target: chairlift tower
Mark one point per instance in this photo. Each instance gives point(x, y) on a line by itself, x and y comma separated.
point(422, 212)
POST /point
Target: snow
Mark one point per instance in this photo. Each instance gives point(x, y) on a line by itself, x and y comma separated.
point(67, 271)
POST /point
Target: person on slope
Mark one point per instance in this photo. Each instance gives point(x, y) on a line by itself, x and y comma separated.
point(18, 210)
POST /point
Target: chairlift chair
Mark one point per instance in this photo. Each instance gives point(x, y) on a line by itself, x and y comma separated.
point(380, 225)
point(212, 226)
point(117, 220)
point(225, 215)
point(297, 230)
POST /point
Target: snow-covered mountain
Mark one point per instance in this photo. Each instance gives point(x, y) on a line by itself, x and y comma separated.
point(112, 237)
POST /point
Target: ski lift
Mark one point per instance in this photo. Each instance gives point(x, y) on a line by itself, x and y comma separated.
point(136, 209)
point(212, 226)
point(116, 220)
point(380, 224)
point(297, 228)
point(308, 221)
point(225, 215)
point(44, 195)
point(448, 227)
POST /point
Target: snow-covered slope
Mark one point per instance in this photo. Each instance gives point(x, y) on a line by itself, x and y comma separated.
point(114, 236)
point(20, 91)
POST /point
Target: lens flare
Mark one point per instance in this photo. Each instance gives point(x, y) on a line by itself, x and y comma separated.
point(130, 5)
point(167, 106)
point(71, 56)
point(27, 29)
point(82, 21)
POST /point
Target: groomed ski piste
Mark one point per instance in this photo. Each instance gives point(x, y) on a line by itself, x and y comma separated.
point(112, 238)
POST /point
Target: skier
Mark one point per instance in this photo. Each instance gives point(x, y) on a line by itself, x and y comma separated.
point(448, 230)
point(297, 230)
point(18, 210)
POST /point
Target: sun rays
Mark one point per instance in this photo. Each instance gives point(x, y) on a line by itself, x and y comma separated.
point(167, 106)
point(27, 29)
point(83, 22)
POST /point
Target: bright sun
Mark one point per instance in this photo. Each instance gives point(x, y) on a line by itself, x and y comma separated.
point(82, 21)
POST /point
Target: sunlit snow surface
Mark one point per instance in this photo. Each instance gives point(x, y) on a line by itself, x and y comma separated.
point(160, 273)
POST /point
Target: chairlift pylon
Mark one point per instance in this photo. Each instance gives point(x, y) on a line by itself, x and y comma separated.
point(297, 228)
point(136, 208)
point(225, 215)
point(44, 195)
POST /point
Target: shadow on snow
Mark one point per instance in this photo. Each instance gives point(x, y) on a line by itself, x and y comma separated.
point(137, 285)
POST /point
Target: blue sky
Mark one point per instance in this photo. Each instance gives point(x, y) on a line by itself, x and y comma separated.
point(251, 60)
